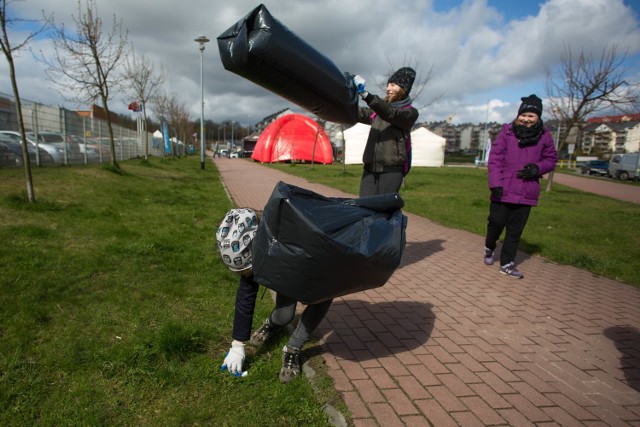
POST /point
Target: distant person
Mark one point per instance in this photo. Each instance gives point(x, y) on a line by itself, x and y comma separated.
point(385, 155)
point(520, 155)
point(234, 237)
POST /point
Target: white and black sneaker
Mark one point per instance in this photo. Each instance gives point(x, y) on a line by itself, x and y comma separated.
point(290, 364)
point(263, 333)
point(510, 270)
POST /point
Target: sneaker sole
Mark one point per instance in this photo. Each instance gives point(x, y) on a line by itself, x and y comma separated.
point(507, 274)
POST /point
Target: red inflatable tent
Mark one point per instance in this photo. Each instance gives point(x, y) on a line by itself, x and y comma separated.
point(293, 137)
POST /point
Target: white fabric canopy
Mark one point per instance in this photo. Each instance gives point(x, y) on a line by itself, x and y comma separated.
point(427, 147)
point(355, 139)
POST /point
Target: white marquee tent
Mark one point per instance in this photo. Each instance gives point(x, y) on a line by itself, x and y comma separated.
point(427, 147)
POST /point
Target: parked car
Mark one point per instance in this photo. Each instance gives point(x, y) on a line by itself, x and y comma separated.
point(93, 155)
point(595, 167)
point(7, 157)
point(623, 166)
point(56, 153)
point(58, 140)
point(13, 142)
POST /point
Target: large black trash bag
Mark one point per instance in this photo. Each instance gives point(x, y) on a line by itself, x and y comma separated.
point(262, 50)
point(313, 248)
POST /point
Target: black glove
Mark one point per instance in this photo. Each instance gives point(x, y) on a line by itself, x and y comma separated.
point(496, 193)
point(529, 171)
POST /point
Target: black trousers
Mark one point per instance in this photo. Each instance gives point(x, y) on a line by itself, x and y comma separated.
point(372, 184)
point(507, 216)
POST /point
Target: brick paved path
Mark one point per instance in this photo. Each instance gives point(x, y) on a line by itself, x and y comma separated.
point(448, 341)
point(602, 186)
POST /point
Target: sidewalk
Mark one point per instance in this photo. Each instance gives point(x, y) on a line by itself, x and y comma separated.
point(449, 341)
point(601, 186)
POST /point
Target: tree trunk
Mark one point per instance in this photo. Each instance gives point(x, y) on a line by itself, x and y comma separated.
point(23, 135)
point(146, 133)
point(112, 145)
point(550, 180)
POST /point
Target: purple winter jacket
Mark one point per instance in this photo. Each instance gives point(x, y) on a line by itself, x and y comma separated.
point(506, 158)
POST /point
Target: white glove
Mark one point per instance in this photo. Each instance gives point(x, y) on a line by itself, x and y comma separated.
point(235, 358)
point(359, 82)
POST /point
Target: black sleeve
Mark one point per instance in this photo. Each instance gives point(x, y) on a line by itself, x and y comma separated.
point(404, 118)
point(245, 305)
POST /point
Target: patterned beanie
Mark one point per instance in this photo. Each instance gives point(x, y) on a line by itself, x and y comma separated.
point(531, 104)
point(404, 78)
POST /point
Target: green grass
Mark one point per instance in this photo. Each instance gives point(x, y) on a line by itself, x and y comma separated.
point(569, 226)
point(117, 311)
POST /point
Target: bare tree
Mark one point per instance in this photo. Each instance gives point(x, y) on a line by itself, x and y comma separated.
point(583, 85)
point(420, 85)
point(85, 61)
point(8, 49)
point(159, 108)
point(179, 117)
point(144, 83)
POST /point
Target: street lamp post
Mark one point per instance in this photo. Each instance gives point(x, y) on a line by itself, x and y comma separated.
point(201, 40)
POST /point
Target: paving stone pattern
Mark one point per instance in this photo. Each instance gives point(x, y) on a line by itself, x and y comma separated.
point(449, 341)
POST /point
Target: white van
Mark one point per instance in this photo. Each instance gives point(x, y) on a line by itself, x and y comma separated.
point(623, 166)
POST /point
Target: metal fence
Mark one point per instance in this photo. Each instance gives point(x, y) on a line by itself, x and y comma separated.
point(58, 136)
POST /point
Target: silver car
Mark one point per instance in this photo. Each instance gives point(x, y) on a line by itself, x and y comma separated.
point(56, 153)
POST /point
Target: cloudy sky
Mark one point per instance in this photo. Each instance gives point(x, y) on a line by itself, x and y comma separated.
point(484, 54)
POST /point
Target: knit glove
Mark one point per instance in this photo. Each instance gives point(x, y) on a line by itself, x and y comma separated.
point(496, 193)
point(529, 171)
point(235, 358)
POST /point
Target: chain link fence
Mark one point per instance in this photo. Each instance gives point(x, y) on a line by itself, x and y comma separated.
point(57, 136)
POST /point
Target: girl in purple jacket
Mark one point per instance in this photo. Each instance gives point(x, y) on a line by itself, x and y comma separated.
point(520, 155)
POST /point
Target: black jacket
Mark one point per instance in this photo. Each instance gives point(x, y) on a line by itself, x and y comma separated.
point(385, 150)
point(245, 306)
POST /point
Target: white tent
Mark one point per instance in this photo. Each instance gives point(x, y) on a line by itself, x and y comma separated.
point(427, 147)
point(355, 138)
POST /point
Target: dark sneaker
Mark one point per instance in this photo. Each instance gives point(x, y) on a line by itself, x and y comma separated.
point(510, 270)
point(263, 333)
point(488, 256)
point(290, 364)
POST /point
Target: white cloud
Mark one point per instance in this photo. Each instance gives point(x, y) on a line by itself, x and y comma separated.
point(478, 52)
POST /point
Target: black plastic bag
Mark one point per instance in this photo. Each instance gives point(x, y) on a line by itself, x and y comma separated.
point(313, 248)
point(262, 50)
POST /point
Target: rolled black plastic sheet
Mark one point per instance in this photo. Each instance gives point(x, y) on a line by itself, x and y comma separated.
point(262, 50)
point(313, 248)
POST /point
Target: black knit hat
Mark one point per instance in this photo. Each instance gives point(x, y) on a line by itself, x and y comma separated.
point(404, 78)
point(531, 104)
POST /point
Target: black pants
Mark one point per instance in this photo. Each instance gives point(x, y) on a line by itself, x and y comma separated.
point(372, 184)
point(285, 311)
point(513, 218)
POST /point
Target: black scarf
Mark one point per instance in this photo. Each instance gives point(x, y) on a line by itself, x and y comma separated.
point(528, 137)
